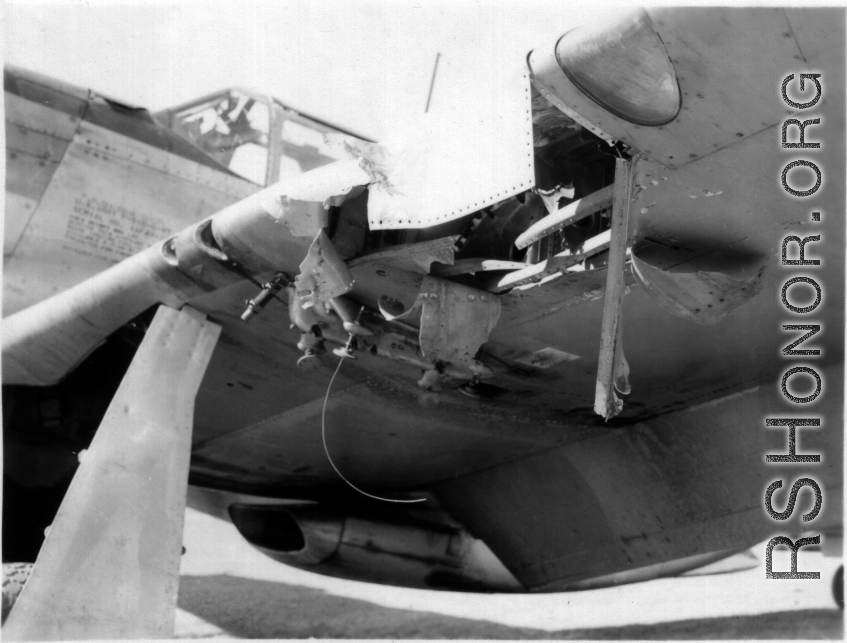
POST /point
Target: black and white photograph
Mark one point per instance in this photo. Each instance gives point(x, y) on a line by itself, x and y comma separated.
point(419, 319)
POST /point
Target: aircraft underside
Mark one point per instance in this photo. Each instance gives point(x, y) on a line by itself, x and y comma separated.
point(553, 374)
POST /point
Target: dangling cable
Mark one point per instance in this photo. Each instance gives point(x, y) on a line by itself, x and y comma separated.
point(326, 449)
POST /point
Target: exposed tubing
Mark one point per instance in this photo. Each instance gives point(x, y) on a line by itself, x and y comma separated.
point(562, 217)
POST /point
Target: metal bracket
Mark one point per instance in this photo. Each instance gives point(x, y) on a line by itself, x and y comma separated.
point(612, 369)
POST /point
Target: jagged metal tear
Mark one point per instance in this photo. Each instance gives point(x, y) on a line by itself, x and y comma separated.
point(300, 203)
point(607, 403)
point(455, 319)
point(472, 149)
point(702, 297)
point(323, 273)
point(413, 257)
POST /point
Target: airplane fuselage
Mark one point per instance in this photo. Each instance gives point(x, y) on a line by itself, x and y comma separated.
point(528, 489)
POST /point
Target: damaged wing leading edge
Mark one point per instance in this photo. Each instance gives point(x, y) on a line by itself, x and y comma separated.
point(510, 305)
point(459, 157)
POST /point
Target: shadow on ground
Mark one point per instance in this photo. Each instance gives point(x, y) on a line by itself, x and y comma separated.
point(261, 609)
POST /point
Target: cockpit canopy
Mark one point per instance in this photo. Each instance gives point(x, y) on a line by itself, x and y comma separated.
point(255, 136)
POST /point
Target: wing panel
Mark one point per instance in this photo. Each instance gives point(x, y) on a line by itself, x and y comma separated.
point(818, 34)
point(724, 60)
point(699, 217)
point(473, 149)
point(380, 434)
point(687, 483)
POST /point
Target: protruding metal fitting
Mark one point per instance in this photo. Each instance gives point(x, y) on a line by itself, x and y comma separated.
point(343, 352)
point(350, 317)
point(357, 329)
point(309, 362)
point(268, 292)
point(346, 351)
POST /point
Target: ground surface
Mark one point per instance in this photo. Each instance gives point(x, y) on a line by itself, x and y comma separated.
point(230, 590)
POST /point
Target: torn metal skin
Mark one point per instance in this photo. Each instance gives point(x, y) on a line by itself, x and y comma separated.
point(371, 157)
point(302, 218)
point(323, 273)
point(702, 297)
point(458, 157)
point(552, 197)
point(300, 203)
point(455, 320)
point(413, 257)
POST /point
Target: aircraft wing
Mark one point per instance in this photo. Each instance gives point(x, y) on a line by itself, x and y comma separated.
point(475, 378)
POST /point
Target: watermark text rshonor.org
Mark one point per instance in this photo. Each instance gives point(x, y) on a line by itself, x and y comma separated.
point(802, 277)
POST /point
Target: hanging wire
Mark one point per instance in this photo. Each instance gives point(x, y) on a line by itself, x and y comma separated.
point(326, 449)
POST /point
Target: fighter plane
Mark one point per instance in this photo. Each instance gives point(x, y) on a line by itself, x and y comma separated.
point(530, 343)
